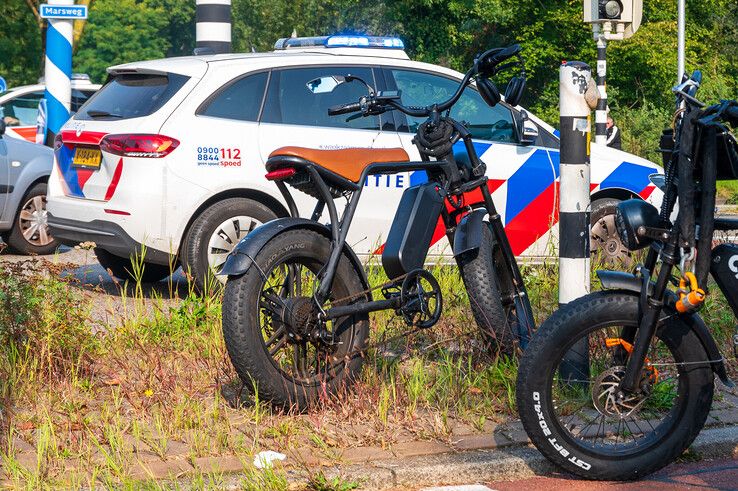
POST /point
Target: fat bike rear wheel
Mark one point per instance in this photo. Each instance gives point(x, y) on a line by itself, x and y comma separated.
point(580, 423)
point(273, 330)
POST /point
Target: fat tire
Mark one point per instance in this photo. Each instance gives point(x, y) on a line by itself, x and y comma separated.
point(194, 249)
point(242, 329)
point(545, 350)
point(15, 239)
point(482, 283)
point(122, 268)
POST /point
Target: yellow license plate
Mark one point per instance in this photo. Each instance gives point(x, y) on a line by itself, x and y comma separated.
point(87, 158)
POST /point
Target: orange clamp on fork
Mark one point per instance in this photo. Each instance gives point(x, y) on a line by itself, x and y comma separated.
point(691, 296)
point(612, 342)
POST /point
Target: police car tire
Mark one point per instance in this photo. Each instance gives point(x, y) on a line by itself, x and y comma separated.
point(547, 348)
point(194, 250)
point(122, 268)
point(483, 287)
point(242, 329)
point(15, 238)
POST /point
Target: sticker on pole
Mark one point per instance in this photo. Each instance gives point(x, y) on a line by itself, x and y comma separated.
point(63, 11)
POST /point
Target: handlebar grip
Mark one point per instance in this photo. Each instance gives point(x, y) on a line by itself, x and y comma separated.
point(344, 109)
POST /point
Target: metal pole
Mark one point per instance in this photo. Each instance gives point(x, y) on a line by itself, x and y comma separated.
point(601, 113)
point(58, 72)
point(681, 23)
point(575, 79)
point(213, 25)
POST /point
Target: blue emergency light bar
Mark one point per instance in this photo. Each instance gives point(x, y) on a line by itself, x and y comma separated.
point(341, 41)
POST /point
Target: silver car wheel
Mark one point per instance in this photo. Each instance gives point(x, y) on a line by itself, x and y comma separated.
point(225, 237)
point(605, 242)
point(33, 222)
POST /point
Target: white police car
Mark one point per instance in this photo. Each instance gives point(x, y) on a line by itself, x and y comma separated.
point(169, 153)
point(19, 105)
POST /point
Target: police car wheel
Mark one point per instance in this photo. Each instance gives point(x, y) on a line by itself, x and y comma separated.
point(30, 232)
point(214, 234)
point(605, 245)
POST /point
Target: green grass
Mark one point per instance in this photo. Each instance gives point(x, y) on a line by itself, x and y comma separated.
point(728, 190)
point(159, 377)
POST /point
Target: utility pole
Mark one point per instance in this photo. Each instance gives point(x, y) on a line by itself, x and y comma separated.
point(611, 20)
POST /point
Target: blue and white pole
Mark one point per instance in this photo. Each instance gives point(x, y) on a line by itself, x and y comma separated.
point(58, 71)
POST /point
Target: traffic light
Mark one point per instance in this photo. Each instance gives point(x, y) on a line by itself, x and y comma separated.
point(624, 16)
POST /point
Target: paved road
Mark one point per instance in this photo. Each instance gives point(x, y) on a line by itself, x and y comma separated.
point(705, 475)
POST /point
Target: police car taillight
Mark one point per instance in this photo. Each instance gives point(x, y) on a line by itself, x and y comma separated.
point(148, 146)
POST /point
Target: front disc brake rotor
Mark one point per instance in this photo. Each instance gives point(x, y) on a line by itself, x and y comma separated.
point(605, 392)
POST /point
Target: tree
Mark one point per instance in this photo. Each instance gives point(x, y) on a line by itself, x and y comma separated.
point(21, 57)
point(121, 31)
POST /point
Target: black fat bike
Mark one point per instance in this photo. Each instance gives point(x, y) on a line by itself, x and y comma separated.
point(297, 299)
point(619, 383)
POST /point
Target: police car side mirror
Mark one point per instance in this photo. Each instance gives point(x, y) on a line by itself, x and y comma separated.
point(325, 85)
point(527, 129)
point(2, 127)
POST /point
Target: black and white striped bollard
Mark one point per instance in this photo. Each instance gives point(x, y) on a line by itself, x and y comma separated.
point(213, 25)
point(577, 98)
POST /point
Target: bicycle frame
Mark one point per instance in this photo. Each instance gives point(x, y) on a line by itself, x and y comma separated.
point(339, 228)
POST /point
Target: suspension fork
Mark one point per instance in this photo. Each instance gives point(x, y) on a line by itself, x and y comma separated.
point(649, 319)
point(498, 230)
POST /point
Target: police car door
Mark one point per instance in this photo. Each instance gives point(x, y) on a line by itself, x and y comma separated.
point(5, 184)
point(296, 113)
point(521, 178)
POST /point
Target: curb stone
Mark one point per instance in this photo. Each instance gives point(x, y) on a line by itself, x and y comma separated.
point(494, 465)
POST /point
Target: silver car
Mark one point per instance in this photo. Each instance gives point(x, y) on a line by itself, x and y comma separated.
point(24, 172)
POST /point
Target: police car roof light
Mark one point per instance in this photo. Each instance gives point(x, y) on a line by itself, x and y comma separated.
point(341, 41)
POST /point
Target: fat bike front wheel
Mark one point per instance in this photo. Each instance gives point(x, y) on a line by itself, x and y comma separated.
point(578, 421)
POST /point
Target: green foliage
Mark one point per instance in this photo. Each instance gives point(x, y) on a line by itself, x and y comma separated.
point(43, 323)
point(21, 57)
point(120, 31)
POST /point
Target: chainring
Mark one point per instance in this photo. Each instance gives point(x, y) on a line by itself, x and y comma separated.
point(421, 301)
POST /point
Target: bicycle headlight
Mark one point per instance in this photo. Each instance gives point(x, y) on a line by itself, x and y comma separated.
point(630, 217)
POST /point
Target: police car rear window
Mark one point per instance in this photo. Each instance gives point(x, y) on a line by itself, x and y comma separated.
point(131, 95)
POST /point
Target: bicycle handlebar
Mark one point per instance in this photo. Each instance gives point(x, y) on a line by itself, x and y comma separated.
point(351, 107)
point(486, 65)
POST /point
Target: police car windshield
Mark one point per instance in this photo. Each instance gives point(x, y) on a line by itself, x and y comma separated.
point(131, 95)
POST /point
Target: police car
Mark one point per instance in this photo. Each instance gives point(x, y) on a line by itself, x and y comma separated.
point(19, 105)
point(168, 157)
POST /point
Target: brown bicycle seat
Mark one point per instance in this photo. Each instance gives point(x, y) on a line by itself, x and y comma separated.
point(348, 163)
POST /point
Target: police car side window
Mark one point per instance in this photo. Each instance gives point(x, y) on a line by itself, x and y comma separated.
point(239, 99)
point(484, 122)
point(290, 101)
point(21, 110)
